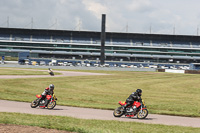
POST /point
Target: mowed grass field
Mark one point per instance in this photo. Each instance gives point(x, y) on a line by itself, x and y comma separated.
point(164, 93)
point(90, 126)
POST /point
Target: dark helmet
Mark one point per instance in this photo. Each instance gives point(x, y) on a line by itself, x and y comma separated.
point(139, 92)
point(51, 87)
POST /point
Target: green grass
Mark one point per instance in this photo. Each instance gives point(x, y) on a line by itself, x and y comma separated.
point(13, 71)
point(164, 93)
point(90, 126)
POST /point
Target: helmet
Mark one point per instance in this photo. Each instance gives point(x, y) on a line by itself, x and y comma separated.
point(51, 87)
point(139, 92)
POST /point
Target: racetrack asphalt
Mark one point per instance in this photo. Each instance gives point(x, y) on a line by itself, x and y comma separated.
point(97, 114)
point(88, 113)
point(63, 74)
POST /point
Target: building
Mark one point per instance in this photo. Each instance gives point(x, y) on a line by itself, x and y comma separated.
point(82, 45)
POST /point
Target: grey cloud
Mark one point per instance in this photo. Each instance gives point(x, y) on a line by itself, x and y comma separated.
point(139, 14)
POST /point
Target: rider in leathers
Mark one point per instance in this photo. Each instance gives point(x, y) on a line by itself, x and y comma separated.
point(135, 96)
point(47, 91)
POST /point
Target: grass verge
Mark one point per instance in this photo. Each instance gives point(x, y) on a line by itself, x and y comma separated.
point(89, 126)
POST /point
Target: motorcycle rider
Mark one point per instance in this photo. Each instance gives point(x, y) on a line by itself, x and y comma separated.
point(135, 96)
point(50, 71)
point(48, 91)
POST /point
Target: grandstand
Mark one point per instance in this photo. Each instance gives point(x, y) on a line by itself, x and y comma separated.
point(86, 45)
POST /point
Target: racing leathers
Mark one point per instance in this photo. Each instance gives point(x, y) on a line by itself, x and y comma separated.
point(130, 100)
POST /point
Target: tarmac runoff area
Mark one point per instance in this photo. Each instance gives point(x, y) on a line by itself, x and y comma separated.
point(87, 113)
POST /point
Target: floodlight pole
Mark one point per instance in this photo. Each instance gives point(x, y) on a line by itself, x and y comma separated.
point(103, 38)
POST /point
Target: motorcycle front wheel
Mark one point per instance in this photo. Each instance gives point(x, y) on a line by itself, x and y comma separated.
point(51, 105)
point(118, 112)
point(143, 114)
point(34, 103)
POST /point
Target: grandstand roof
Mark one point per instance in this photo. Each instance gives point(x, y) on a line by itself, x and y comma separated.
point(143, 36)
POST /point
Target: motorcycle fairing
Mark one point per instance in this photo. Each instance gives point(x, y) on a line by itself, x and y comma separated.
point(38, 96)
point(42, 106)
point(129, 115)
point(48, 97)
point(137, 104)
point(122, 103)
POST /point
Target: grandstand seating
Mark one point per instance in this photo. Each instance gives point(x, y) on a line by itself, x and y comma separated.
point(4, 37)
point(126, 48)
point(128, 42)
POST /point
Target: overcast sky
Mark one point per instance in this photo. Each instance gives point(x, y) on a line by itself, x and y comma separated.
point(133, 16)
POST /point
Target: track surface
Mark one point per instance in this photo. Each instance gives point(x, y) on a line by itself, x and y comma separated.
point(86, 113)
point(63, 74)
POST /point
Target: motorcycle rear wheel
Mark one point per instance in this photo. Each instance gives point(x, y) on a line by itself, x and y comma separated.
point(51, 105)
point(34, 103)
point(118, 112)
point(143, 114)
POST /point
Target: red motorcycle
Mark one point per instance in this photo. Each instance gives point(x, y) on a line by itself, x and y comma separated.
point(49, 102)
point(137, 108)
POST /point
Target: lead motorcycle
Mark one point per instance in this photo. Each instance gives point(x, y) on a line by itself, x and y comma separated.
point(49, 102)
point(137, 108)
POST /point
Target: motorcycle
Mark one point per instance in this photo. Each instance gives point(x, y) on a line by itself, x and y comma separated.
point(137, 108)
point(51, 73)
point(49, 102)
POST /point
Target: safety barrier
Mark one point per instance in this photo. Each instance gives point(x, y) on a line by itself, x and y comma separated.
point(179, 71)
